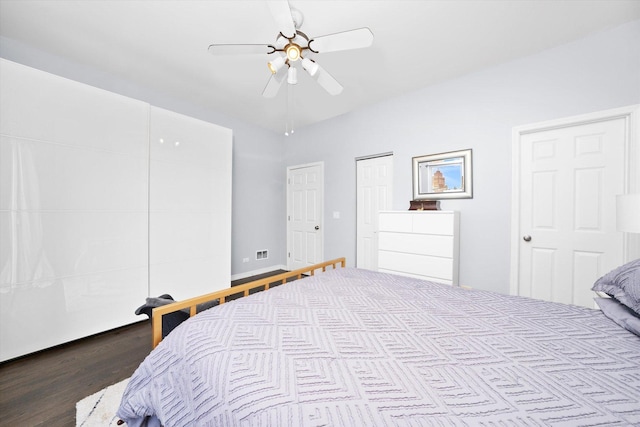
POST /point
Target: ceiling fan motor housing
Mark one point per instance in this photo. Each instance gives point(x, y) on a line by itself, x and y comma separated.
point(297, 17)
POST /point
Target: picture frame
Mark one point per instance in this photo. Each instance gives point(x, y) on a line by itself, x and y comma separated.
point(443, 176)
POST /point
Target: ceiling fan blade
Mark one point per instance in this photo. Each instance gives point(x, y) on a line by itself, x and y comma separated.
point(327, 81)
point(274, 83)
point(239, 49)
point(282, 15)
point(353, 39)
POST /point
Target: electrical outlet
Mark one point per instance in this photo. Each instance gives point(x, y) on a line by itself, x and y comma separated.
point(245, 259)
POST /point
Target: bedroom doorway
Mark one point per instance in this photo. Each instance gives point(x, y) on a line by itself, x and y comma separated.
point(566, 176)
point(305, 204)
point(374, 183)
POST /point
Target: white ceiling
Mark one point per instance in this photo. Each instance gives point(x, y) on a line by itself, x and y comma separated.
point(162, 45)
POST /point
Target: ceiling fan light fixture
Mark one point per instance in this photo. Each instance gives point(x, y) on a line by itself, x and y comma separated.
point(291, 44)
point(293, 52)
point(276, 64)
point(292, 76)
point(310, 66)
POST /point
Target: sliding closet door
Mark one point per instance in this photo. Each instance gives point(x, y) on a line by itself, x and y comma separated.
point(73, 209)
point(189, 205)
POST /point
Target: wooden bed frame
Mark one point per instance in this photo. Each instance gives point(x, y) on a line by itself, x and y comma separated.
point(222, 295)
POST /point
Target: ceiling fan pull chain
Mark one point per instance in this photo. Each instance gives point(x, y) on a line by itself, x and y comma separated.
point(289, 116)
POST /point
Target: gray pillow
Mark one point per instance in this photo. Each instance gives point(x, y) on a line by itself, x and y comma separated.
point(623, 284)
point(619, 313)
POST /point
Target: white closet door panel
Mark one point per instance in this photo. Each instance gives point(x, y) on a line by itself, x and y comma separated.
point(50, 245)
point(8, 197)
point(434, 245)
point(416, 264)
point(74, 186)
point(75, 208)
point(180, 236)
point(374, 194)
point(41, 314)
point(185, 278)
point(183, 187)
point(434, 223)
point(182, 139)
point(38, 175)
point(43, 106)
point(189, 205)
point(7, 269)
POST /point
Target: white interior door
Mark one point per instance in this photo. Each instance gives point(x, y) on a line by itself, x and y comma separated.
point(566, 233)
point(305, 200)
point(374, 194)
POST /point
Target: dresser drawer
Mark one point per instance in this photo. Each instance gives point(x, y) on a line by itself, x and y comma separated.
point(418, 222)
point(417, 276)
point(434, 245)
point(422, 265)
point(392, 221)
point(434, 223)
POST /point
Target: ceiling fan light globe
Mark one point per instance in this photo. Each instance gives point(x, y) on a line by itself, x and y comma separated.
point(310, 66)
point(276, 64)
point(293, 52)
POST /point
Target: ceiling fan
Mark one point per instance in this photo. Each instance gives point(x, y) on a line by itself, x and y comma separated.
point(292, 46)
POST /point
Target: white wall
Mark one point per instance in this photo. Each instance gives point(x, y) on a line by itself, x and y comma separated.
point(258, 193)
point(476, 111)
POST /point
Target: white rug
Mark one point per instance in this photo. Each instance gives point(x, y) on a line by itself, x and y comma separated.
point(100, 408)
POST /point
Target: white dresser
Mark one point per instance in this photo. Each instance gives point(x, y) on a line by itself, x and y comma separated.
point(421, 244)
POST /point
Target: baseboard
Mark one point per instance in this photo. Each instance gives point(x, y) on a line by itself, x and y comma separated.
point(257, 272)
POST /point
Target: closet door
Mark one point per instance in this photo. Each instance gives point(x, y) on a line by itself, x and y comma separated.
point(189, 205)
point(73, 209)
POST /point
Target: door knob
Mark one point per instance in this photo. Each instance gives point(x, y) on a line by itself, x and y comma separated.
point(317, 227)
point(527, 238)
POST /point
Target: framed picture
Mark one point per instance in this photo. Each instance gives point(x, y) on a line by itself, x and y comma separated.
point(443, 176)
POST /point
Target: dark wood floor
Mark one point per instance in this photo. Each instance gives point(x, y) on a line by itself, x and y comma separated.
point(42, 389)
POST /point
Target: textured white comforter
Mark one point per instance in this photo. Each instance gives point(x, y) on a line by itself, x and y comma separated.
point(357, 348)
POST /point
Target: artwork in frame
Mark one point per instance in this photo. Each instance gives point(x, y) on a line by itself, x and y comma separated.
point(443, 176)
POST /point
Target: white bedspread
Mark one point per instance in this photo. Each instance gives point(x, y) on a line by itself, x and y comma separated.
point(357, 348)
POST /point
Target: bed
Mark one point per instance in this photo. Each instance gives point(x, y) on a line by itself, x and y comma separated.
point(350, 347)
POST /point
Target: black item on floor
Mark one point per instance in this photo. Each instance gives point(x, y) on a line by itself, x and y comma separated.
point(169, 321)
point(172, 320)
